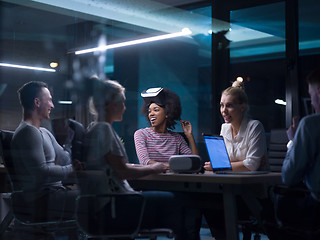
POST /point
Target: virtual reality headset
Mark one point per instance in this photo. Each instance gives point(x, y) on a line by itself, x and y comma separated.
point(154, 95)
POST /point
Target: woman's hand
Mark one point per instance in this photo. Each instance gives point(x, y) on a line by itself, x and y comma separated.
point(187, 127)
point(187, 130)
point(158, 167)
point(207, 166)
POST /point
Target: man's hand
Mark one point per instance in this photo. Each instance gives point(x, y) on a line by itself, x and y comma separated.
point(293, 128)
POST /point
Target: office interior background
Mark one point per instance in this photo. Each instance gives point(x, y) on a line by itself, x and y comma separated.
point(272, 45)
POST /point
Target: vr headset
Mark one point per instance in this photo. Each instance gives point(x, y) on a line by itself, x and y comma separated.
point(186, 164)
point(154, 95)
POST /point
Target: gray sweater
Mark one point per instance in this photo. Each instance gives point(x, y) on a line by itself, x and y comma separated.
point(39, 161)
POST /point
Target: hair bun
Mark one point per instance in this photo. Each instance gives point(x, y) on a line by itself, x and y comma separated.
point(238, 84)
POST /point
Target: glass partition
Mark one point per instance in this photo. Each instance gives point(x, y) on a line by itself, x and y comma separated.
point(309, 47)
point(37, 33)
point(40, 33)
point(257, 55)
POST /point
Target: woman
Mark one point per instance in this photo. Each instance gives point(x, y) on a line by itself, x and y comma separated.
point(106, 152)
point(157, 143)
point(245, 139)
point(246, 145)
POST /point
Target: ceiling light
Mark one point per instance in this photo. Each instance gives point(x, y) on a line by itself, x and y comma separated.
point(67, 102)
point(27, 67)
point(184, 32)
point(281, 102)
point(240, 79)
point(54, 64)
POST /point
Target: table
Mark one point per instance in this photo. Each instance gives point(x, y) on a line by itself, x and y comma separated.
point(248, 186)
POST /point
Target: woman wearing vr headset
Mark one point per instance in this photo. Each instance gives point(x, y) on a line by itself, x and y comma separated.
point(155, 144)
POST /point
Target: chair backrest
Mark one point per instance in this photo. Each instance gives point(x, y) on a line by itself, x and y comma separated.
point(277, 149)
point(100, 213)
point(121, 216)
point(92, 182)
point(6, 137)
point(26, 212)
point(21, 210)
point(77, 148)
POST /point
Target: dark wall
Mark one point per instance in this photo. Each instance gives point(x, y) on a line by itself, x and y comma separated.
point(264, 83)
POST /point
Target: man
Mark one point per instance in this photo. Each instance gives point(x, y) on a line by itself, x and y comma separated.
point(39, 161)
point(302, 164)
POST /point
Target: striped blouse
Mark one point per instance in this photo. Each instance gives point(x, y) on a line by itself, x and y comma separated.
point(154, 146)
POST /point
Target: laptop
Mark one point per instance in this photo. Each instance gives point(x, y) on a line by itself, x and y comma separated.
point(219, 157)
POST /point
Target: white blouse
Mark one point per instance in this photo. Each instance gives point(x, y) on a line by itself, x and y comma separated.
point(249, 145)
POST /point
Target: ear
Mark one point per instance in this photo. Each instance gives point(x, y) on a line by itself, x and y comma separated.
point(110, 107)
point(243, 107)
point(36, 102)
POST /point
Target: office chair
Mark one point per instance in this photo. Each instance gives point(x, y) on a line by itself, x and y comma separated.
point(276, 229)
point(277, 149)
point(77, 147)
point(91, 184)
point(114, 223)
point(30, 217)
point(5, 137)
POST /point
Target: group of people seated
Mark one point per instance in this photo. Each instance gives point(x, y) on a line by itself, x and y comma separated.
point(43, 164)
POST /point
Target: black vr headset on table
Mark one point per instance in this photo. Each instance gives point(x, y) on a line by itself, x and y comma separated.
point(154, 95)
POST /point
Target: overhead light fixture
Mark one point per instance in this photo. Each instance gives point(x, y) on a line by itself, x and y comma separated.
point(54, 64)
point(280, 101)
point(183, 32)
point(66, 102)
point(27, 67)
point(239, 79)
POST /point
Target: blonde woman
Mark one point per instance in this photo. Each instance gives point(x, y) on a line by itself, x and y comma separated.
point(245, 138)
point(246, 145)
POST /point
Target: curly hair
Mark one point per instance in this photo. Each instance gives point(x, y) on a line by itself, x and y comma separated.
point(172, 108)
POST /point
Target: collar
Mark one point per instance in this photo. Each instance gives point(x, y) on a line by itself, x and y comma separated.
point(243, 127)
point(241, 132)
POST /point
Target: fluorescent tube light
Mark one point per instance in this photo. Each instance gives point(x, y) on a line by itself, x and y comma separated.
point(184, 32)
point(27, 67)
point(281, 102)
point(65, 102)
